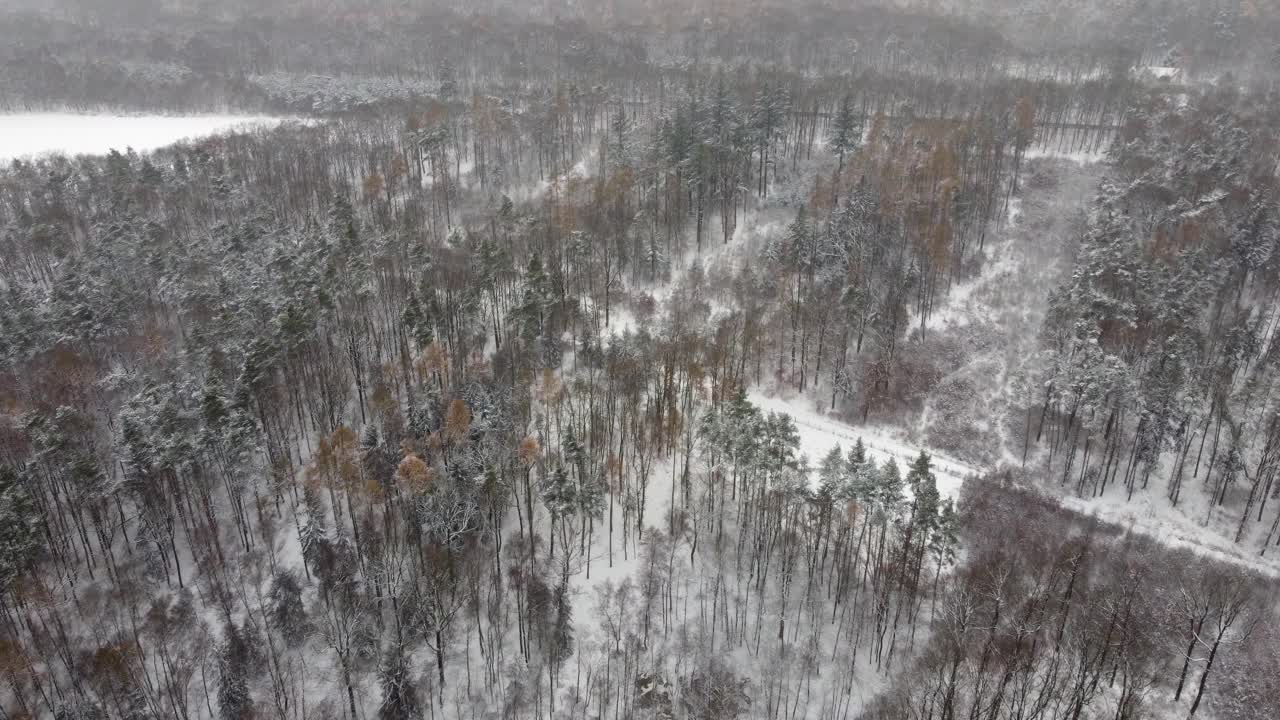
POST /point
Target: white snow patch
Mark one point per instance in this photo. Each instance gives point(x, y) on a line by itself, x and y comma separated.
point(35, 134)
point(581, 170)
point(819, 433)
point(1015, 209)
point(1162, 73)
point(621, 320)
point(1079, 158)
point(1151, 514)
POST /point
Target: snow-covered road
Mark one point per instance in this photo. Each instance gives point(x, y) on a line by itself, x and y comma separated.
point(819, 433)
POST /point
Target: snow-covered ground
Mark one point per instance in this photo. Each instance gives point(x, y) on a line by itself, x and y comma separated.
point(819, 433)
point(999, 312)
point(1151, 514)
point(34, 134)
point(1081, 157)
point(583, 169)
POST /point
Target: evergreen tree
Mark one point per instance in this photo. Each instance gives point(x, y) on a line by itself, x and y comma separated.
point(286, 613)
point(831, 474)
point(19, 541)
point(888, 487)
point(921, 470)
point(780, 442)
point(857, 456)
point(418, 321)
point(532, 312)
point(845, 130)
point(235, 664)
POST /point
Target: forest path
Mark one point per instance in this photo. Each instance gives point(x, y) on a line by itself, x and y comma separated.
point(991, 322)
point(997, 317)
point(819, 433)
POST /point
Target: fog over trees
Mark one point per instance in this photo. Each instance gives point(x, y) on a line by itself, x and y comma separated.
point(643, 359)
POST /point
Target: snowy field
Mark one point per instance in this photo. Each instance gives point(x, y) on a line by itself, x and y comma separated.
point(34, 134)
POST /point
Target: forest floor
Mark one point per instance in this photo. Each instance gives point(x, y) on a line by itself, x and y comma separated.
point(618, 556)
point(996, 318)
point(990, 324)
point(820, 432)
point(986, 333)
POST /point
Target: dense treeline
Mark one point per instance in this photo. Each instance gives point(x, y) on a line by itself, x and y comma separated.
point(440, 407)
point(1161, 345)
point(344, 340)
point(1054, 615)
point(1204, 37)
point(322, 397)
point(1209, 38)
point(882, 242)
point(298, 60)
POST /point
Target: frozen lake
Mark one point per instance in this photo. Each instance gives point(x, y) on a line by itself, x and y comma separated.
point(26, 134)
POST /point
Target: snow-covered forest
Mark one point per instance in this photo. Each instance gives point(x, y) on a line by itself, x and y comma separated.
point(639, 359)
